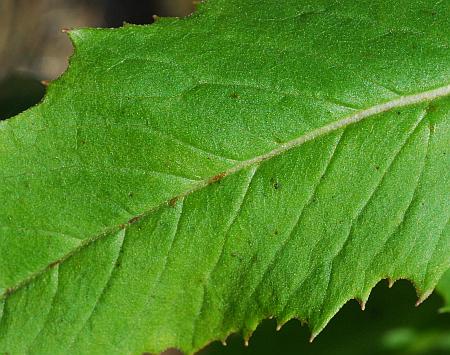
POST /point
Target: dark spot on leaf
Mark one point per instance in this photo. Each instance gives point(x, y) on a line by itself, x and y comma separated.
point(275, 232)
point(275, 183)
point(130, 195)
point(431, 108)
point(377, 167)
point(135, 219)
point(216, 178)
point(173, 202)
point(277, 140)
point(53, 264)
point(398, 112)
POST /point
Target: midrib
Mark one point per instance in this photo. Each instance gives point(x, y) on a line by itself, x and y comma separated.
point(329, 128)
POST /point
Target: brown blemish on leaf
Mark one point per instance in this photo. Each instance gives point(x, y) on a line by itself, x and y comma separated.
point(53, 264)
point(431, 108)
point(134, 219)
point(172, 202)
point(218, 177)
point(278, 140)
point(275, 183)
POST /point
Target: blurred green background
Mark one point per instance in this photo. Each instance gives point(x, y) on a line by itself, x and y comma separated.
point(33, 49)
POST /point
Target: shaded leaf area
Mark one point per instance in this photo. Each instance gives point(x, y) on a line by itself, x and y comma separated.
point(389, 325)
point(185, 180)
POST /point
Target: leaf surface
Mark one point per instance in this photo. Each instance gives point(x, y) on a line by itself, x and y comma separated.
point(185, 180)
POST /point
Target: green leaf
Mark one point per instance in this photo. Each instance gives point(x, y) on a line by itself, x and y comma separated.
point(185, 180)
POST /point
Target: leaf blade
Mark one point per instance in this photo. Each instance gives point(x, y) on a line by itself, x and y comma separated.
point(163, 167)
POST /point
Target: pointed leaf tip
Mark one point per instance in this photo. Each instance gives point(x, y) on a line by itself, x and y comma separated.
point(423, 297)
point(390, 282)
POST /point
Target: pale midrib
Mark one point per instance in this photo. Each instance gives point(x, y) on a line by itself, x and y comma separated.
point(329, 128)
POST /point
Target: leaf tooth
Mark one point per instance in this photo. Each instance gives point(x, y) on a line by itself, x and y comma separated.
point(391, 282)
point(362, 303)
point(248, 334)
point(423, 297)
point(282, 321)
